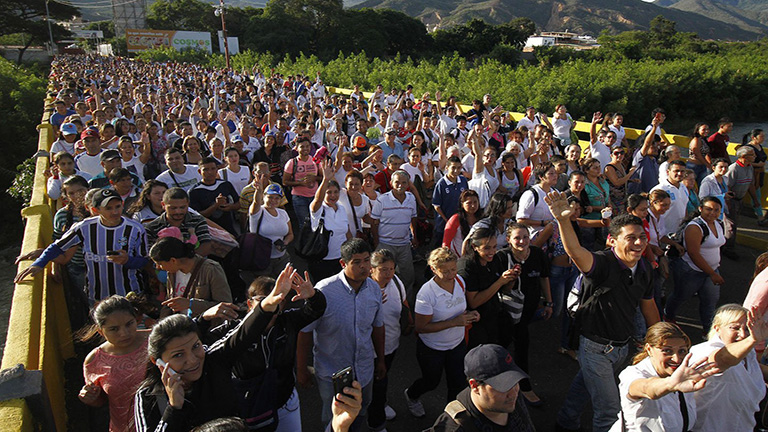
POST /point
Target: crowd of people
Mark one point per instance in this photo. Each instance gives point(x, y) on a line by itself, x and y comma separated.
point(189, 197)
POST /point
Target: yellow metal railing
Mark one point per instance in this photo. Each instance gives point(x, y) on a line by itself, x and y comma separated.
point(39, 336)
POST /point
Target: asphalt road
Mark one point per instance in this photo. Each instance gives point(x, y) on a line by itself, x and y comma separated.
point(551, 373)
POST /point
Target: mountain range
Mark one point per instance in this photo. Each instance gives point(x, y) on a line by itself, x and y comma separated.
point(710, 19)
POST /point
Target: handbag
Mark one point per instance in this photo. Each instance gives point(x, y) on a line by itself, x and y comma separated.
point(512, 299)
point(406, 317)
point(360, 233)
point(313, 244)
point(255, 249)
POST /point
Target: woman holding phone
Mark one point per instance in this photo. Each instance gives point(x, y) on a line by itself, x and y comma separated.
point(189, 384)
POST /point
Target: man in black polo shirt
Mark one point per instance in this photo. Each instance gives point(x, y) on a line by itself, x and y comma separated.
point(615, 282)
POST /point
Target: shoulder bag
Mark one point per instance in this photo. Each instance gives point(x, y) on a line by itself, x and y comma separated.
point(255, 249)
point(313, 244)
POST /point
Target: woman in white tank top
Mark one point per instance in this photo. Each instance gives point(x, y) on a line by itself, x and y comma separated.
point(697, 271)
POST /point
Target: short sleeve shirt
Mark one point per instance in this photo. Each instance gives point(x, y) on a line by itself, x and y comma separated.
point(442, 306)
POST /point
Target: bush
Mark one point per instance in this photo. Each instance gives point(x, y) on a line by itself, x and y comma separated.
point(21, 187)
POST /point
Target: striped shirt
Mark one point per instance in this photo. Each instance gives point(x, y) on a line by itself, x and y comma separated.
point(105, 278)
point(60, 227)
point(394, 218)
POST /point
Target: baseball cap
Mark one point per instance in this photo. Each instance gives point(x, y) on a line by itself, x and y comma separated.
point(68, 129)
point(102, 197)
point(493, 365)
point(360, 142)
point(390, 130)
point(89, 132)
point(109, 155)
point(274, 189)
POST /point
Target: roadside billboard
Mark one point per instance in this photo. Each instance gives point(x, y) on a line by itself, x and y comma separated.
point(140, 40)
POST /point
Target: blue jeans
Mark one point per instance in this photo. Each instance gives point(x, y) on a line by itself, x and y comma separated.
point(595, 381)
point(700, 171)
point(561, 281)
point(301, 208)
point(325, 387)
point(689, 282)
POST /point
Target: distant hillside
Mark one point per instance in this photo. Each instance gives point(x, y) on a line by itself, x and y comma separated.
point(742, 13)
point(582, 16)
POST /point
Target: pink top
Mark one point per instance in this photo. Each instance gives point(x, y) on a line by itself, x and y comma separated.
point(302, 170)
point(119, 376)
point(758, 296)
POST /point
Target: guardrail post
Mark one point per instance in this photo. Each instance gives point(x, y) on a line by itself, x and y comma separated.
point(19, 383)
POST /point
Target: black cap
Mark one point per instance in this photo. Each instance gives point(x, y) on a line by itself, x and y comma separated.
point(103, 196)
point(109, 155)
point(493, 365)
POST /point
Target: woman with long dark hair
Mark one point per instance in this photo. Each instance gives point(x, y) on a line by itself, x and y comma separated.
point(458, 226)
point(698, 152)
point(193, 383)
point(485, 273)
point(149, 205)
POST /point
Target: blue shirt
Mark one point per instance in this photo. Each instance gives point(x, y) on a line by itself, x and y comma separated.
point(343, 334)
point(388, 150)
point(446, 196)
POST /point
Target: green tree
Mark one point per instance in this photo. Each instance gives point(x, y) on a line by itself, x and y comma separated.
point(191, 15)
point(27, 17)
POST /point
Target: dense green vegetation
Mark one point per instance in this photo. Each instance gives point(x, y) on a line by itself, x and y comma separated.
point(324, 28)
point(632, 73)
point(22, 91)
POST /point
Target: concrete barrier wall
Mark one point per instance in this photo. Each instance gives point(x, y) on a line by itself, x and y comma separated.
point(39, 336)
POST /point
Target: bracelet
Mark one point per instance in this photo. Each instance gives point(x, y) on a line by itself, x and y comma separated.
point(548, 304)
point(189, 309)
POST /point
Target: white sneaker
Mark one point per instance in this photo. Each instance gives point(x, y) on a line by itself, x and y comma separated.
point(414, 406)
point(389, 412)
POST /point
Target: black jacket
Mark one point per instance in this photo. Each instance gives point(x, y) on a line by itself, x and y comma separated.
point(213, 395)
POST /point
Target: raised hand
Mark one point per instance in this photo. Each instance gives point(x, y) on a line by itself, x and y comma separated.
point(280, 291)
point(558, 205)
point(303, 286)
point(757, 326)
point(597, 117)
point(692, 377)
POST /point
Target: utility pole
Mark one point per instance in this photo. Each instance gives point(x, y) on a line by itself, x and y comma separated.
point(220, 12)
point(50, 32)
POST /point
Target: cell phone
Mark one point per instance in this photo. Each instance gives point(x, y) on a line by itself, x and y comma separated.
point(112, 253)
point(342, 378)
point(163, 365)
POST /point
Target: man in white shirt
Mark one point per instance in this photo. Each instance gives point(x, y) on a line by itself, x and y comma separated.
point(178, 174)
point(394, 224)
point(678, 195)
point(90, 161)
point(529, 121)
point(600, 142)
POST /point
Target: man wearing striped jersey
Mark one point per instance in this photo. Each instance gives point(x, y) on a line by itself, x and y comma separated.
point(114, 248)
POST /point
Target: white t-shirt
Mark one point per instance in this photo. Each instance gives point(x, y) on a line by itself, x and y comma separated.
point(562, 127)
point(185, 180)
point(390, 313)
point(646, 415)
point(710, 249)
point(619, 131)
point(443, 306)
point(135, 166)
point(658, 228)
point(336, 222)
point(146, 215)
point(528, 123)
point(528, 209)
point(679, 204)
point(602, 153)
point(182, 279)
point(62, 145)
point(663, 171)
point(272, 227)
point(729, 400)
point(413, 171)
point(360, 211)
point(238, 179)
point(88, 164)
